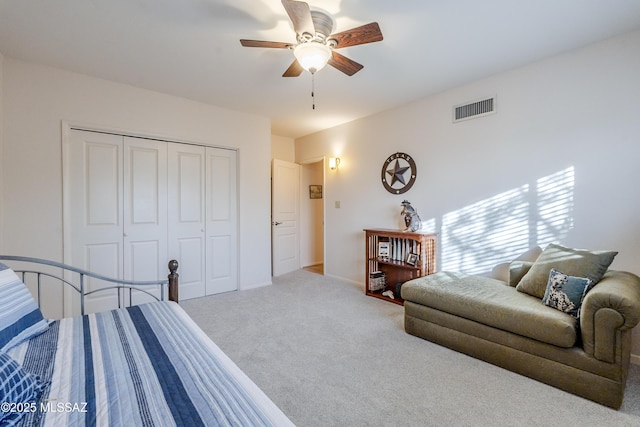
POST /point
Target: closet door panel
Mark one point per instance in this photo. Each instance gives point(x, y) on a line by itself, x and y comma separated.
point(145, 212)
point(221, 257)
point(93, 214)
point(221, 226)
point(102, 190)
point(187, 216)
point(105, 259)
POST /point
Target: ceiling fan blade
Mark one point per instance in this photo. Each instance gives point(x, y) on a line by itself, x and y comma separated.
point(300, 16)
point(294, 70)
point(344, 64)
point(368, 33)
point(262, 43)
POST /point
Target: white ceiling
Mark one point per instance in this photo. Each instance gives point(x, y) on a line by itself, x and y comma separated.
point(191, 48)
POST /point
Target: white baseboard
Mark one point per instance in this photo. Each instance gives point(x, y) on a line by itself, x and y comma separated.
point(344, 279)
point(311, 264)
point(635, 359)
point(254, 285)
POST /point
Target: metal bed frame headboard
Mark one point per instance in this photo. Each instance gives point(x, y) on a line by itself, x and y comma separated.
point(121, 285)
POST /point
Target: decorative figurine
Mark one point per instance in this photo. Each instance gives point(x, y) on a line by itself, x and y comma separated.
point(411, 218)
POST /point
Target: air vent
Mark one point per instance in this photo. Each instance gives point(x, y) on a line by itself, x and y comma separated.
point(474, 109)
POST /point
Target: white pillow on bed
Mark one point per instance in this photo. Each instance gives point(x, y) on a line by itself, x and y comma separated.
point(20, 317)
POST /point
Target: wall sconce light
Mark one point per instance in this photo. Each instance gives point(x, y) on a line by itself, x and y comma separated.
point(334, 162)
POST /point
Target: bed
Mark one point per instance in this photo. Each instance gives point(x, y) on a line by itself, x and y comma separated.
point(137, 365)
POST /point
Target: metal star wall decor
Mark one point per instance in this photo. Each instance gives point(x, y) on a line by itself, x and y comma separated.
point(395, 171)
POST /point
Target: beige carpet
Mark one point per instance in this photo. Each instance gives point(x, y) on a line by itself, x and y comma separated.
point(328, 355)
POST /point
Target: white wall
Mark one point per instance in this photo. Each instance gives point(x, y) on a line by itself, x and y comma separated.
point(578, 110)
point(283, 148)
point(35, 101)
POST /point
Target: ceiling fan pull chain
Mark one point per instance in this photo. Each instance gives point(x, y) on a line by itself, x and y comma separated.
point(313, 90)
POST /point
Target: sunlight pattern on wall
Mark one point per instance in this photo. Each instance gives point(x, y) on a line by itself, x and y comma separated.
point(555, 206)
point(479, 236)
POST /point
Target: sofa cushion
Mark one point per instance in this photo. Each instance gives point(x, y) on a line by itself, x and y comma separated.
point(493, 303)
point(565, 293)
point(574, 262)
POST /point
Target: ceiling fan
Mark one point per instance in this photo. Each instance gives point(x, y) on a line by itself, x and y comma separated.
point(315, 45)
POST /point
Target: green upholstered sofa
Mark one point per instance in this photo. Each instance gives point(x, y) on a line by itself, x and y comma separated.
point(487, 318)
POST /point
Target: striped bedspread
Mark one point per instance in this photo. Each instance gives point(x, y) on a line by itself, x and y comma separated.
point(147, 365)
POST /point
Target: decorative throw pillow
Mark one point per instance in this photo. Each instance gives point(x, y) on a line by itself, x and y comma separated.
point(500, 272)
point(573, 262)
point(20, 317)
point(566, 293)
point(519, 266)
point(530, 255)
point(16, 386)
point(517, 270)
point(503, 271)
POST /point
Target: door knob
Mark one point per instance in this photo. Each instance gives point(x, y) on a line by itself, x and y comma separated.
point(277, 223)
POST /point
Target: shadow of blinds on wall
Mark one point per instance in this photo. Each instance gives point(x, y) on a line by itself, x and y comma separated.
point(479, 236)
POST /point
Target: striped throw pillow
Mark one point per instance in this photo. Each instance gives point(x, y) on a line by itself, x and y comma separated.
point(16, 386)
point(20, 317)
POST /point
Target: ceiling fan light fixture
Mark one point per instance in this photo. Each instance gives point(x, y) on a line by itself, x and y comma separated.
point(312, 56)
point(316, 44)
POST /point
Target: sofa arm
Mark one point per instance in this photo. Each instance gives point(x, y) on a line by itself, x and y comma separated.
point(611, 307)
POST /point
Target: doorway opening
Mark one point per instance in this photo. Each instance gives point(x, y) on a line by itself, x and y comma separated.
point(312, 209)
point(297, 219)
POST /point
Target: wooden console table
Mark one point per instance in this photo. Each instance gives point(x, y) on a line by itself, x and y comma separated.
point(393, 257)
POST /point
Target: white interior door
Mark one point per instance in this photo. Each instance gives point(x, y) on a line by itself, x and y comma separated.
point(145, 212)
point(285, 194)
point(93, 214)
point(221, 221)
point(187, 216)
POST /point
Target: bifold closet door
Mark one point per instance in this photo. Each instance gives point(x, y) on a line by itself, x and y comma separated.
point(187, 216)
point(145, 212)
point(203, 218)
point(115, 213)
point(131, 204)
point(221, 221)
point(93, 213)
